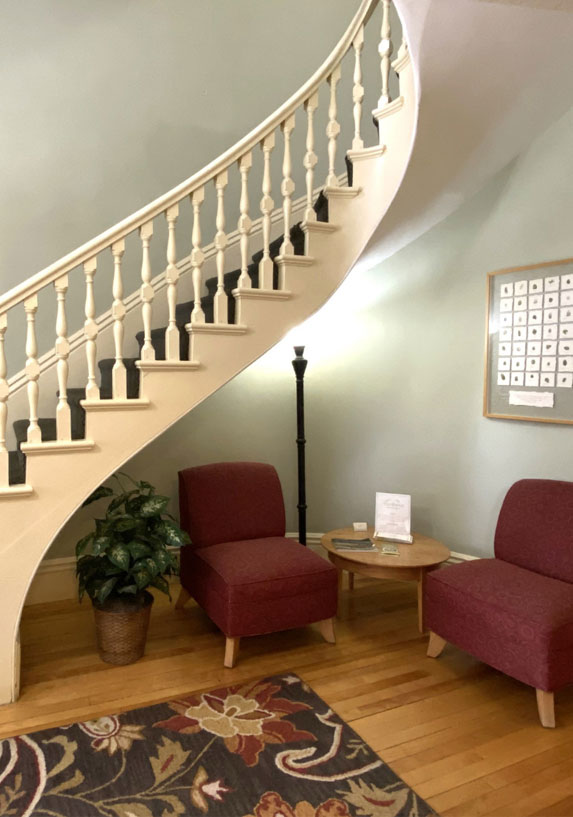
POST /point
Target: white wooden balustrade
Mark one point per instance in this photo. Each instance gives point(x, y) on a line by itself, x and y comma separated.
point(238, 159)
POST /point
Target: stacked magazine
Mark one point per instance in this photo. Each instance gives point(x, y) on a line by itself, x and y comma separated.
point(354, 545)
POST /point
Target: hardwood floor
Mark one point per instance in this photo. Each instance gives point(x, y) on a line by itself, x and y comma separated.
point(465, 737)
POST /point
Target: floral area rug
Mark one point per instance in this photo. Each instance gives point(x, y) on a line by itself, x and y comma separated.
point(269, 748)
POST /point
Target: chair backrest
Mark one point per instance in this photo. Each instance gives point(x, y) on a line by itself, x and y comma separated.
point(231, 501)
point(535, 527)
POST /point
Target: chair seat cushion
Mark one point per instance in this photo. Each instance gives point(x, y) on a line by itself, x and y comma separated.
point(260, 585)
point(513, 619)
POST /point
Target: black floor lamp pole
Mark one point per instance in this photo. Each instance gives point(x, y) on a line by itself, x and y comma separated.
point(299, 365)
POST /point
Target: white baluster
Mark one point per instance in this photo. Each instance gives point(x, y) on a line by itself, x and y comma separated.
point(310, 158)
point(221, 304)
point(287, 186)
point(197, 256)
point(385, 51)
point(358, 89)
point(172, 277)
point(332, 129)
point(32, 368)
point(4, 394)
point(63, 413)
point(245, 223)
point(91, 330)
point(147, 293)
point(118, 373)
point(267, 205)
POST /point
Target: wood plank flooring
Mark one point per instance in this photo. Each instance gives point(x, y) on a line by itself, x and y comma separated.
point(465, 737)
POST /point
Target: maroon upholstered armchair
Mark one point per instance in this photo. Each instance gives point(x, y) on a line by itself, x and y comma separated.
point(239, 567)
point(515, 612)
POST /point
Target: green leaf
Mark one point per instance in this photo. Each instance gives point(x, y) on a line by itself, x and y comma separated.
point(100, 544)
point(138, 550)
point(154, 506)
point(83, 543)
point(124, 523)
point(99, 493)
point(161, 584)
point(130, 588)
point(119, 500)
point(105, 589)
point(119, 556)
point(162, 559)
point(172, 534)
point(142, 578)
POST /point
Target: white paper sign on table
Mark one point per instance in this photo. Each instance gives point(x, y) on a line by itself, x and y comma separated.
point(392, 521)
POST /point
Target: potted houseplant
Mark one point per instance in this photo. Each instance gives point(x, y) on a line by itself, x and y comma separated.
point(127, 552)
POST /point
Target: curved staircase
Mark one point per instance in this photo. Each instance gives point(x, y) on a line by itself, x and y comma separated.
point(231, 319)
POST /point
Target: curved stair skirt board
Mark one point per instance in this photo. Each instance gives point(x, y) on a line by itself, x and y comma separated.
point(61, 483)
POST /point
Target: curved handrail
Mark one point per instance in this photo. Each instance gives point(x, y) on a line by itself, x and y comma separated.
point(104, 240)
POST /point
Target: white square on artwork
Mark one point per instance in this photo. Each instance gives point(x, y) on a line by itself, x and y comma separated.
point(548, 380)
point(550, 316)
point(503, 364)
point(534, 347)
point(566, 347)
point(520, 304)
point(536, 285)
point(518, 349)
point(520, 333)
point(505, 319)
point(548, 364)
point(535, 301)
point(535, 316)
point(551, 299)
point(534, 332)
point(504, 349)
point(567, 281)
point(505, 333)
point(517, 364)
point(566, 364)
point(564, 381)
point(506, 290)
point(567, 298)
point(517, 378)
point(520, 288)
point(532, 379)
point(532, 364)
point(566, 331)
point(551, 284)
point(550, 347)
point(550, 331)
point(520, 319)
point(503, 379)
point(566, 314)
point(506, 305)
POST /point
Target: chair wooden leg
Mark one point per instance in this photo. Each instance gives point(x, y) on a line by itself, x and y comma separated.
point(351, 581)
point(435, 645)
point(184, 597)
point(327, 630)
point(546, 708)
point(231, 651)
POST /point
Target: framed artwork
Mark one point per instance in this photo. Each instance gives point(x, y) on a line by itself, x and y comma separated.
point(529, 343)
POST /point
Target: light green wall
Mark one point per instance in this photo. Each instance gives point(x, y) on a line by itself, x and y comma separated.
point(107, 105)
point(394, 384)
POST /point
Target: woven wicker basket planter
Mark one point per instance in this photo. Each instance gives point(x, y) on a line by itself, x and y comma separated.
point(121, 628)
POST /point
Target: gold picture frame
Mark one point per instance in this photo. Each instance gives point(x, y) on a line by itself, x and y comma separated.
point(528, 373)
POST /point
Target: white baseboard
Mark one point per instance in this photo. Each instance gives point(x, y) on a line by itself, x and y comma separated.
point(56, 578)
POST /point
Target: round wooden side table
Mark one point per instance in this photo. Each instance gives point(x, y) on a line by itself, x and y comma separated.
point(411, 564)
